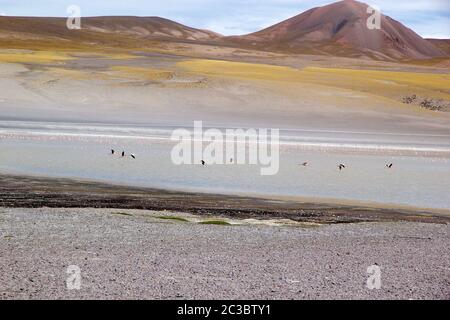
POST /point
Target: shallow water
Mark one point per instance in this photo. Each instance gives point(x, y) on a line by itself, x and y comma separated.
point(420, 176)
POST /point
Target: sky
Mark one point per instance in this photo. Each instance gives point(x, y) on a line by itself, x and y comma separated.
point(429, 18)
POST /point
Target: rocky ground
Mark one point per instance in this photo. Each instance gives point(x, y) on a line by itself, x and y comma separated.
point(132, 254)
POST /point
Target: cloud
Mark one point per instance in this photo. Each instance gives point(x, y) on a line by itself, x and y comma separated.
point(427, 17)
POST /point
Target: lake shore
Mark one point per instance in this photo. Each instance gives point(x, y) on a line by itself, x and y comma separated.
point(37, 192)
point(141, 243)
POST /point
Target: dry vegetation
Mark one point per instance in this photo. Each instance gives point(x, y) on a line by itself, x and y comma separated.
point(145, 73)
point(388, 84)
point(37, 57)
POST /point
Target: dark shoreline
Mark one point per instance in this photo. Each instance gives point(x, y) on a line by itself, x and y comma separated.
point(37, 192)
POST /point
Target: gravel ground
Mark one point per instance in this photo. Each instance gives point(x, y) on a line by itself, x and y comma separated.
point(131, 254)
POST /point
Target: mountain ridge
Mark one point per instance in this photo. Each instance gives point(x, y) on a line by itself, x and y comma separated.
point(337, 29)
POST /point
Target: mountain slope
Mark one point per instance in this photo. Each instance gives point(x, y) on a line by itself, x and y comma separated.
point(443, 44)
point(147, 27)
point(341, 28)
point(100, 29)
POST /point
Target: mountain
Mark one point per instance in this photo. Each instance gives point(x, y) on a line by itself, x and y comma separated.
point(338, 29)
point(100, 29)
point(443, 44)
point(147, 27)
point(341, 29)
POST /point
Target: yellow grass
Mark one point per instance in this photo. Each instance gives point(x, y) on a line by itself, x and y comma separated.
point(146, 73)
point(422, 80)
point(241, 70)
point(383, 83)
point(102, 55)
point(48, 57)
point(38, 57)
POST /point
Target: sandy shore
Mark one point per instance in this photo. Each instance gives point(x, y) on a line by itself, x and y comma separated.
point(135, 254)
point(37, 192)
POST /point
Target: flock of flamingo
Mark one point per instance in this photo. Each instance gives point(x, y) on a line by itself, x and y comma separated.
point(203, 162)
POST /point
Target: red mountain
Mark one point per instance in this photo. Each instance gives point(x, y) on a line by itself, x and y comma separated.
point(341, 28)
